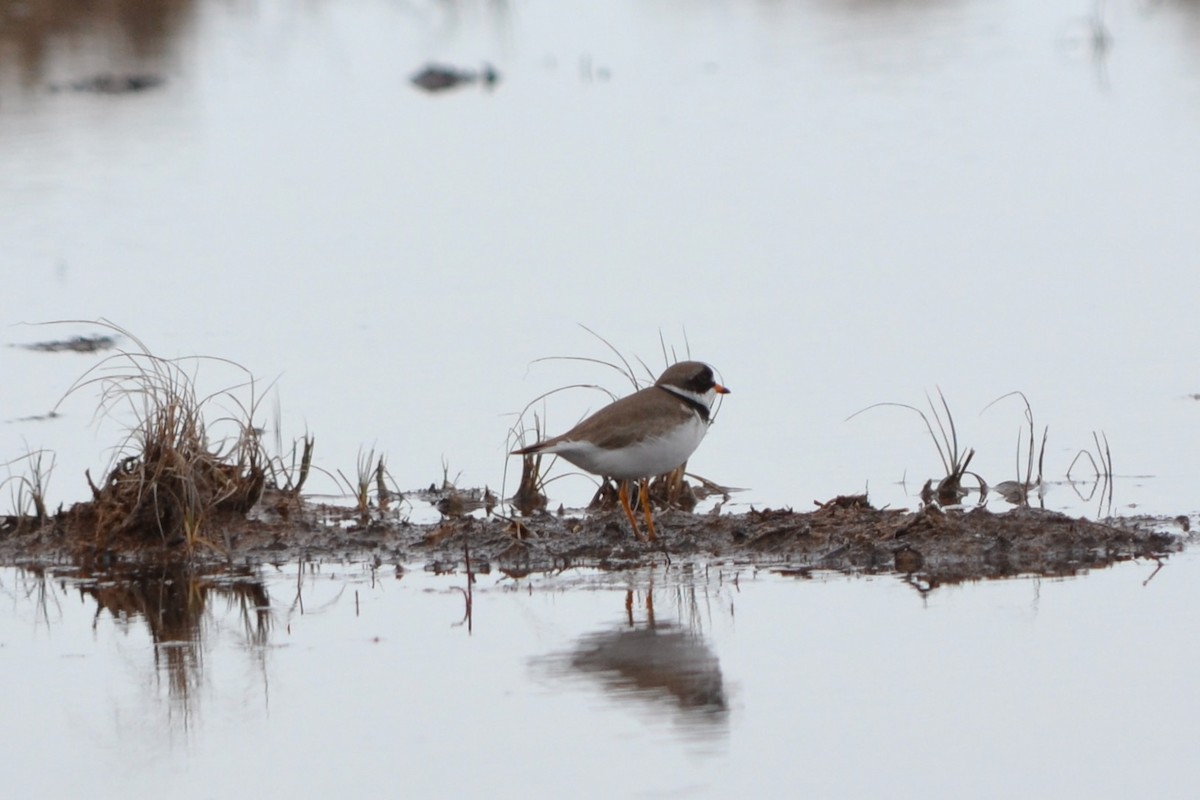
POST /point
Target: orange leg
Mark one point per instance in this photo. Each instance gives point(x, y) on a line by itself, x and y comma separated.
point(623, 493)
point(644, 491)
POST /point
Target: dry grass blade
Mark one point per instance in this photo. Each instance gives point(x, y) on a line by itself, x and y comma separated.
point(709, 488)
point(517, 431)
point(952, 440)
point(1102, 472)
point(1108, 469)
point(587, 360)
point(650, 376)
point(1017, 492)
point(948, 454)
point(625, 368)
point(616, 352)
point(447, 484)
point(1083, 453)
point(674, 357)
point(383, 494)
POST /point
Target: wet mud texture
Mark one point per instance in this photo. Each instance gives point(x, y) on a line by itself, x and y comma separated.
point(932, 546)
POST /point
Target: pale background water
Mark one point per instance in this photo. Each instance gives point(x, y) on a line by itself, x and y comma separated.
point(841, 202)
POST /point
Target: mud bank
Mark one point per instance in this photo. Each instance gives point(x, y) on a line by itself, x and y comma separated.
point(932, 545)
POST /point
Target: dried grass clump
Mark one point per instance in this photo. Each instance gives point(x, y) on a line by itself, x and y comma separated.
point(371, 478)
point(949, 490)
point(28, 487)
point(171, 477)
point(530, 496)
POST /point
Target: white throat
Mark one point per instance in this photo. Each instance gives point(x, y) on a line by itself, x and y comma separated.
point(705, 399)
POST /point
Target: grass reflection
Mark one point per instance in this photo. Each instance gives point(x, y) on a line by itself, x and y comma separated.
point(175, 601)
point(121, 33)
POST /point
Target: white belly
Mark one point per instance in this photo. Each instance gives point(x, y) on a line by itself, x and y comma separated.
point(639, 460)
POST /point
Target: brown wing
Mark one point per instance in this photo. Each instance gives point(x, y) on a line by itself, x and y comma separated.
point(644, 414)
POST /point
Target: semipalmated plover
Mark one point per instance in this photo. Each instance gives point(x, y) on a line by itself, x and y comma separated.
point(650, 432)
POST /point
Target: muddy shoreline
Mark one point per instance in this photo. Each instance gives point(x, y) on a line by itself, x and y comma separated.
point(931, 546)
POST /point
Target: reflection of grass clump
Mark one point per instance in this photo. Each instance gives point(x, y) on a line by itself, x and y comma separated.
point(176, 600)
point(171, 477)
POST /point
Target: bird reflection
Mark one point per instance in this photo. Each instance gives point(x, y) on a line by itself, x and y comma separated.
point(655, 661)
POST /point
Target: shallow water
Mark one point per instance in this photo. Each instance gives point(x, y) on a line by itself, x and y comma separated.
point(654, 683)
point(837, 204)
point(840, 204)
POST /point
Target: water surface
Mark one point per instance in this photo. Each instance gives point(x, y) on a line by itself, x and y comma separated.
point(658, 683)
point(835, 203)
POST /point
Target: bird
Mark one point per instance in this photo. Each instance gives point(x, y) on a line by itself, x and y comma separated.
point(650, 432)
